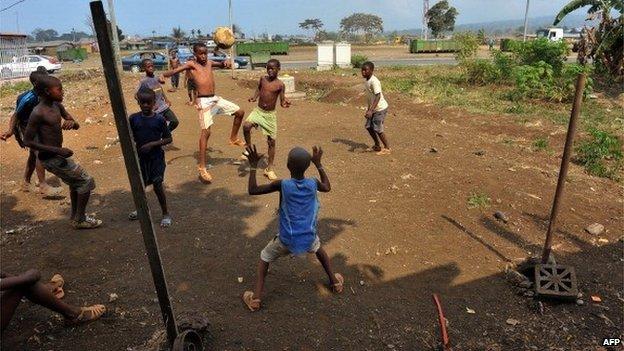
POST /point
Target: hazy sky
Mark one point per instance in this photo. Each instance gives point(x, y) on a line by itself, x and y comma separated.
point(272, 16)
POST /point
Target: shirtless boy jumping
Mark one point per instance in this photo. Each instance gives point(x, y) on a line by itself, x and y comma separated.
point(207, 103)
point(263, 116)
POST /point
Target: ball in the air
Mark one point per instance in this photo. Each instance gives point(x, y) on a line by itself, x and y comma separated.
point(223, 37)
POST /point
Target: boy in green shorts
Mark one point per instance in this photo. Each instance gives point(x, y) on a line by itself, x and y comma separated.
point(264, 116)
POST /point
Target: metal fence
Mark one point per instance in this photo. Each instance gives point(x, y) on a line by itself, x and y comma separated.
point(13, 56)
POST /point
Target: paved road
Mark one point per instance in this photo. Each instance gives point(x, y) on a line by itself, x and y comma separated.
point(386, 62)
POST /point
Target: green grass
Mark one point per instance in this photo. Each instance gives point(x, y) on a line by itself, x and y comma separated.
point(600, 154)
point(15, 88)
point(540, 144)
point(478, 200)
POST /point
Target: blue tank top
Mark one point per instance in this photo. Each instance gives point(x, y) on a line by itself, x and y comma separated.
point(298, 214)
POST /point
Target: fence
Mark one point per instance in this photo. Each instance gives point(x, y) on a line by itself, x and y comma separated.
point(13, 56)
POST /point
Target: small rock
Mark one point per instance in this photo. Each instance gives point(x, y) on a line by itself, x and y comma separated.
point(470, 310)
point(98, 162)
point(479, 153)
point(433, 150)
point(596, 299)
point(394, 250)
point(595, 229)
point(361, 282)
point(580, 302)
point(240, 279)
point(88, 121)
point(603, 241)
point(394, 187)
point(501, 216)
point(407, 176)
point(529, 293)
point(112, 297)
point(512, 321)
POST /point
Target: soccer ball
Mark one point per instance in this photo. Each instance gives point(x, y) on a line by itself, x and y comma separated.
point(223, 37)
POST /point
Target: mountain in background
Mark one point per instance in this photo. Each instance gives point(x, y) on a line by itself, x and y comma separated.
point(515, 26)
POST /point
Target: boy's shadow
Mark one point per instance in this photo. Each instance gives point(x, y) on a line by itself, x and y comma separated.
point(353, 146)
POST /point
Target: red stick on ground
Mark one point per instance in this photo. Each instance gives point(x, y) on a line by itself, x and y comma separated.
point(442, 319)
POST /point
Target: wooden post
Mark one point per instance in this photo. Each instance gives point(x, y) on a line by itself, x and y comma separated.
point(565, 161)
point(132, 166)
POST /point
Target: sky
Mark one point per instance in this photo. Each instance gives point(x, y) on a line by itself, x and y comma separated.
point(137, 17)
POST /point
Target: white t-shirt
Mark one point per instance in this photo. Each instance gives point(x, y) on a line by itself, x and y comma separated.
point(373, 87)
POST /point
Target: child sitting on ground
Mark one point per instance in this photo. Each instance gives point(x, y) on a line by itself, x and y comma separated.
point(28, 285)
point(377, 110)
point(44, 133)
point(150, 133)
point(298, 213)
point(263, 116)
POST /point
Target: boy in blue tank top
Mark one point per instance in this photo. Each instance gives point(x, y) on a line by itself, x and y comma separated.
point(298, 213)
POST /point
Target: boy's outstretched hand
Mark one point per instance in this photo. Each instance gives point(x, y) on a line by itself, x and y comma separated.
point(317, 153)
point(253, 156)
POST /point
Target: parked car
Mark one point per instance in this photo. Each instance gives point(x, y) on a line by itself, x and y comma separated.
point(133, 62)
point(24, 65)
point(184, 54)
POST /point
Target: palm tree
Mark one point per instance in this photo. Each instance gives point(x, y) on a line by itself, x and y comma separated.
point(199, 32)
point(192, 33)
point(603, 44)
point(178, 34)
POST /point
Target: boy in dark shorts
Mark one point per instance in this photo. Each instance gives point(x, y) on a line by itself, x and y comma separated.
point(44, 134)
point(264, 116)
point(298, 214)
point(377, 110)
point(24, 106)
point(163, 105)
point(150, 133)
point(174, 62)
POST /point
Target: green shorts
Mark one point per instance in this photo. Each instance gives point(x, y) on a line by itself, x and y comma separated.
point(266, 120)
point(70, 173)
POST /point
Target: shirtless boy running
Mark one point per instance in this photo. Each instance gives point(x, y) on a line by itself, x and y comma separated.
point(207, 103)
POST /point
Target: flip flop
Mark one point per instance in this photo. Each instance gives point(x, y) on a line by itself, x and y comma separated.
point(88, 223)
point(338, 287)
point(166, 222)
point(88, 314)
point(204, 176)
point(252, 304)
point(133, 216)
point(57, 282)
point(269, 173)
point(238, 142)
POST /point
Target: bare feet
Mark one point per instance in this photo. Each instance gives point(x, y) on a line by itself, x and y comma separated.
point(384, 151)
point(204, 176)
point(88, 314)
point(57, 282)
point(237, 142)
point(252, 304)
point(338, 285)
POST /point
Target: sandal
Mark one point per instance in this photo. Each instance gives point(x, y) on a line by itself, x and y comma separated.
point(57, 283)
point(252, 304)
point(269, 173)
point(88, 223)
point(338, 287)
point(88, 314)
point(204, 176)
point(238, 142)
point(133, 216)
point(384, 151)
point(166, 221)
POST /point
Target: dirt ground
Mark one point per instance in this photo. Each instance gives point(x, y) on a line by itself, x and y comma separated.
point(397, 227)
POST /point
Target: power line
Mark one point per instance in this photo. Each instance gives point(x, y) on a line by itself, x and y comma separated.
point(8, 7)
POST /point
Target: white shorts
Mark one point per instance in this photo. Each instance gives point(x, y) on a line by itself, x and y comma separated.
point(212, 106)
point(276, 249)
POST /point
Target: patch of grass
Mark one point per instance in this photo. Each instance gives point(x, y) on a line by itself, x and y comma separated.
point(540, 144)
point(601, 154)
point(478, 200)
point(15, 88)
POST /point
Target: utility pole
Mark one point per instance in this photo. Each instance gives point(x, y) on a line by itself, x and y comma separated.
point(233, 48)
point(425, 28)
point(113, 24)
point(526, 20)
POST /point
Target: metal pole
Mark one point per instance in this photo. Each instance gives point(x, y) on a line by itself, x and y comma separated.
point(233, 48)
point(526, 20)
point(111, 11)
point(132, 167)
point(565, 161)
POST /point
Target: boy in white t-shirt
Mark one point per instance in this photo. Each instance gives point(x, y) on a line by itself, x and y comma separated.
point(377, 110)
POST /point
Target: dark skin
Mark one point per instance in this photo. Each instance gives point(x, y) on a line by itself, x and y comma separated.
point(147, 109)
point(174, 61)
point(269, 89)
point(367, 73)
point(298, 161)
point(45, 124)
point(149, 72)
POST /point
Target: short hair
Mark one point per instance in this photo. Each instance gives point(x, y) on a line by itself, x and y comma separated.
point(145, 61)
point(45, 82)
point(145, 94)
point(275, 61)
point(198, 45)
point(34, 76)
point(42, 69)
point(369, 65)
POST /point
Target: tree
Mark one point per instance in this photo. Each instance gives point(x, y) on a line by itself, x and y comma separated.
point(88, 21)
point(278, 37)
point(604, 44)
point(199, 32)
point(44, 34)
point(359, 23)
point(238, 31)
point(313, 24)
point(441, 18)
point(192, 33)
point(177, 34)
